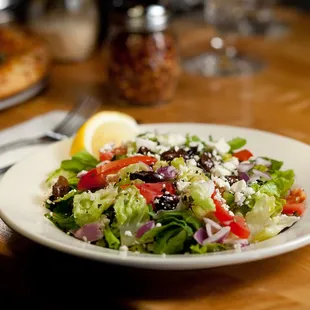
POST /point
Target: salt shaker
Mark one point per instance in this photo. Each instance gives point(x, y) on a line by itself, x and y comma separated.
point(70, 27)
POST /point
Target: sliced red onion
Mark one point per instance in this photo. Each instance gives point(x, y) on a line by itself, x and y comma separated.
point(261, 174)
point(168, 172)
point(244, 176)
point(144, 228)
point(209, 230)
point(90, 232)
point(200, 235)
point(245, 167)
point(212, 223)
point(263, 162)
point(218, 237)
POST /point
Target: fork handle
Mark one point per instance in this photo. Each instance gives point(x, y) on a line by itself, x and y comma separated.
point(22, 143)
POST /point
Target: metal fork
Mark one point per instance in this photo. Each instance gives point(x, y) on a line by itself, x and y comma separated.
point(82, 110)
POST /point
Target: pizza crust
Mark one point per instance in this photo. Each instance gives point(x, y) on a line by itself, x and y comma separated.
point(25, 61)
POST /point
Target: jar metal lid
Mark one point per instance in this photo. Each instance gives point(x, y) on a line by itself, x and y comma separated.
point(145, 18)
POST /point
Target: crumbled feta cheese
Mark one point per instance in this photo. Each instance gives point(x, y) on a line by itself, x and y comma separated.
point(239, 198)
point(249, 191)
point(161, 148)
point(84, 238)
point(219, 197)
point(172, 139)
point(231, 213)
point(151, 145)
point(196, 157)
point(234, 161)
point(220, 171)
point(81, 173)
point(237, 246)
point(221, 146)
point(199, 145)
point(239, 186)
point(158, 225)
point(123, 248)
point(108, 147)
point(176, 148)
point(229, 166)
point(128, 233)
point(222, 183)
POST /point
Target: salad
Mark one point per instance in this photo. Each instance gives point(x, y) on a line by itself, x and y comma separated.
point(166, 193)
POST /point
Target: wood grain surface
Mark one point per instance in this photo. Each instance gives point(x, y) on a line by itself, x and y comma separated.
point(276, 99)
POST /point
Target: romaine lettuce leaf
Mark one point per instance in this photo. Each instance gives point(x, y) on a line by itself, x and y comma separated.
point(131, 211)
point(69, 175)
point(171, 237)
point(80, 161)
point(63, 221)
point(262, 223)
point(63, 204)
point(172, 242)
point(112, 241)
point(208, 248)
point(201, 193)
point(88, 207)
point(275, 226)
point(236, 143)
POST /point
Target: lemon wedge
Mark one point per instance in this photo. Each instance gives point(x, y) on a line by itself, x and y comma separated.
point(104, 127)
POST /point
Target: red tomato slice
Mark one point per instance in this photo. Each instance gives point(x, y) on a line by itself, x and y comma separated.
point(239, 227)
point(237, 224)
point(221, 213)
point(106, 156)
point(294, 208)
point(243, 155)
point(121, 150)
point(152, 190)
point(96, 178)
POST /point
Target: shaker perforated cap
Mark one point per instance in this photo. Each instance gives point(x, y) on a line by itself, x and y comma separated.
point(146, 18)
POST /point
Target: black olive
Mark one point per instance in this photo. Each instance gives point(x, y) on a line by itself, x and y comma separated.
point(60, 188)
point(232, 179)
point(193, 151)
point(206, 161)
point(143, 150)
point(166, 202)
point(172, 154)
point(147, 176)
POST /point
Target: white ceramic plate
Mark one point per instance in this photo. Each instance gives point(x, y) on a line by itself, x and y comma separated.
point(22, 209)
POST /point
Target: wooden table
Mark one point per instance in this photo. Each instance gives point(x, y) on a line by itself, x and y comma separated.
point(277, 99)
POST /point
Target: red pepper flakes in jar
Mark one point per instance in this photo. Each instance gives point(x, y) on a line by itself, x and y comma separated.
point(143, 65)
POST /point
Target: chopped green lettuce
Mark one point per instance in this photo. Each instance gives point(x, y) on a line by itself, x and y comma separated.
point(275, 226)
point(172, 236)
point(80, 161)
point(88, 207)
point(201, 193)
point(236, 143)
point(62, 221)
point(111, 239)
point(262, 223)
point(62, 204)
point(131, 211)
point(208, 248)
point(69, 175)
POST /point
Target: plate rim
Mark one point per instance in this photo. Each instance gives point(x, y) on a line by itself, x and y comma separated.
point(170, 262)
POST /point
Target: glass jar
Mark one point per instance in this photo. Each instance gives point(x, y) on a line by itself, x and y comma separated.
point(143, 61)
point(70, 27)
